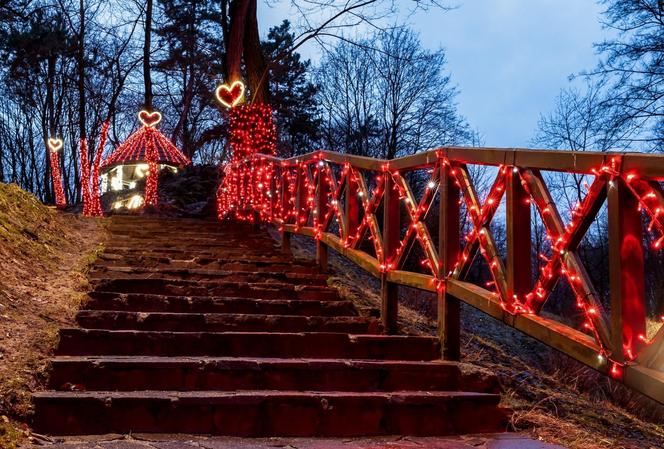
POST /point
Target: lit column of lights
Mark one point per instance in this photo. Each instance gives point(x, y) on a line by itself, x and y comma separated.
point(152, 181)
point(251, 132)
point(85, 175)
point(95, 209)
point(54, 146)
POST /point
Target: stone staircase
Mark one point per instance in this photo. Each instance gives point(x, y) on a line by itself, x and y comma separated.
point(202, 327)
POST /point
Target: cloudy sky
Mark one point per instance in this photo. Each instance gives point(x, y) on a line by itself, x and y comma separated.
point(509, 58)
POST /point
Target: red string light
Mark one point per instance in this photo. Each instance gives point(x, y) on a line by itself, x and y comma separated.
point(54, 146)
point(309, 194)
point(247, 184)
point(85, 175)
point(95, 209)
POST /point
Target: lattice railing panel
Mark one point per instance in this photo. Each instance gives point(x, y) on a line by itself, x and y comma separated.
point(381, 213)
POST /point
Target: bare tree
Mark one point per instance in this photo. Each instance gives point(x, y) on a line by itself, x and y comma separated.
point(387, 96)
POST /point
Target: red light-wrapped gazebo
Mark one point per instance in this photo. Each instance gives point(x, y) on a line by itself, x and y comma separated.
point(146, 151)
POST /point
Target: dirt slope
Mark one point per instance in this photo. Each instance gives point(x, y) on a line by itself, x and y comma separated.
point(43, 254)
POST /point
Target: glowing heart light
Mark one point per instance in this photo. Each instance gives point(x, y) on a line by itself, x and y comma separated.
point(149, 119)
point(231, 95)
point(54, 144)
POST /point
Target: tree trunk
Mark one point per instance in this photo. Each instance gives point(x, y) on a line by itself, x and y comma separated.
point(257, 73)
point(235, 46)
point(50, 118)
point(81, 72)
point(147, 78)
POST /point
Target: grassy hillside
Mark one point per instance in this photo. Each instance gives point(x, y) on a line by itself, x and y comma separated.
point(43, 255)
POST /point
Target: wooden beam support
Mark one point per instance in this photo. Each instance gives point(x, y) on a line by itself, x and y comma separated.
point(449, 236)
point(320, 211)
point(391, 241)
point(351, 207)
point(301, 196)
point(517, 219)
point(626, 265)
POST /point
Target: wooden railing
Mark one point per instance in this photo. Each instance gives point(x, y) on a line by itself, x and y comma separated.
point(337, 200)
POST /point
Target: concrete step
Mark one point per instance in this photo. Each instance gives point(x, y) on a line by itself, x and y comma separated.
point(280, 264)
point(146, 302)
point(199, 274)
point(127, 373)
point(206, 327)
point(268, 413)
point(246, 344)
point(173, 243)
point(224, 322)
point(202, 257)
point(234, 289)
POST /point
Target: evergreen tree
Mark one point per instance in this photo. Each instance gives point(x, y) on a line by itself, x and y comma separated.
point(190, 34)
point(293, 95)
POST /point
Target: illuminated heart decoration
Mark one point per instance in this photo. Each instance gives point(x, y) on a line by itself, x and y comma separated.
point(149, 119)
point(230, 96)
point(54, 144)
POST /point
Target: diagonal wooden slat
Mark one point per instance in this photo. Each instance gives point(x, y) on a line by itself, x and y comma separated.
point(335, 210)
point(487, 245)
point(416, 211)
point(565, 257)
point(369, 221)
point(486, 216)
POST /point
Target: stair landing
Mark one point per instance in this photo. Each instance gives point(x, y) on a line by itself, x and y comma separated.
point(207, 328)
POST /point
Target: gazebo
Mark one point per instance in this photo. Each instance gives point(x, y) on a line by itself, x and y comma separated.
point(130, 162)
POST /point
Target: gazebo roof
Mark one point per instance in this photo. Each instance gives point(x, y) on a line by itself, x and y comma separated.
point(134, 150)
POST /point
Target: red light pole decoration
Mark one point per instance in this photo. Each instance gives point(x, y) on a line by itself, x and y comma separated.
point(90, 185)
point(95, 194)
point(85, 175)
point(248, 176)
point(54, 146)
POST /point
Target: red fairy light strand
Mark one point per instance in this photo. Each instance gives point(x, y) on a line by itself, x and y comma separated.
point(151, 184)
point(258, 187)
point(95, 209)
point(247, 184)
point(85, 175)
point(54, 146)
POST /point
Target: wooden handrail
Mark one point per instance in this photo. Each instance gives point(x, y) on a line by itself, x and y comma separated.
point(336, 198)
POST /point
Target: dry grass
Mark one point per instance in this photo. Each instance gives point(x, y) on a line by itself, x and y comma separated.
point(554, 398)
point(43, 257)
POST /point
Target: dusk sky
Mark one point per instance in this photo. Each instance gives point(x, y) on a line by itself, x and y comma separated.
point(509, 58)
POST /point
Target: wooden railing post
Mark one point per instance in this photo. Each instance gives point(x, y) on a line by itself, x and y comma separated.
point(519, 263)
point(285, 210)
point(322, 208)
point(391, 239)
point(300, 196)
point(449, 324)
point(626, 267)
point(352, 206)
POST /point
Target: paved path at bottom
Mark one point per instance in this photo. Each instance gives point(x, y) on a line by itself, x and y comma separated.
point(485, 441)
